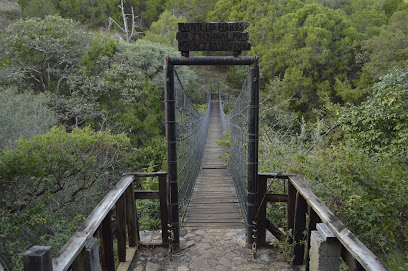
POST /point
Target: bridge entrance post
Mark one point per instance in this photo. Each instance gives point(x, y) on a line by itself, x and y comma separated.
point(253, 138)
point(171, 135)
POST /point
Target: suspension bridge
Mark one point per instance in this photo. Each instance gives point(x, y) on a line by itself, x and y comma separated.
point(199, 192)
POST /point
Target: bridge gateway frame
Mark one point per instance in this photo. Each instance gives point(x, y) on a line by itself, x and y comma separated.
point(171, 134)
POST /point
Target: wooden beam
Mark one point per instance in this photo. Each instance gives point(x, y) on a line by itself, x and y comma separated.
point(274, 230)
point(276, 198)
point(147, 194)
point(216, 26)
point(277, 175)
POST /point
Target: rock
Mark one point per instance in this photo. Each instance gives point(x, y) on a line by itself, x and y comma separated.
point(183, 268)
point(152, 266)
point(225, 262)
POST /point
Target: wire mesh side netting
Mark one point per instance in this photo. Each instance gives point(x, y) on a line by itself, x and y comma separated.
point(192, 130)
point(236, 125)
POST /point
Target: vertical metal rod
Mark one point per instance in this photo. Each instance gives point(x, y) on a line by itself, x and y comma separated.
point(252, 148)
point(172, 149)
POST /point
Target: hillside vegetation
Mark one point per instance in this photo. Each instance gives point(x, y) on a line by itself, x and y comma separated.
point(82, 101)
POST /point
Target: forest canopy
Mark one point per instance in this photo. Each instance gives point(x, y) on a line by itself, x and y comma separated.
point(81, 91)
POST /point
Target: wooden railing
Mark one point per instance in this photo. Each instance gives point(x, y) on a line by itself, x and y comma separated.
point(77, 254)
point(303, 203)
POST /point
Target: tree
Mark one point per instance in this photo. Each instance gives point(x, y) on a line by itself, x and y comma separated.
point(24, 114)
point(381, 123)
point(44, 182)
point(309, 49)
point(367, 16)
point(192, 10)
point(44, 51)
point(389, 49)
point(37, 8)
point(164, 30)
point(129, 22)
point(93, 13)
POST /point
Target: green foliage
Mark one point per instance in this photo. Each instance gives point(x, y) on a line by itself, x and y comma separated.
point(192, 10)
point(24, 114)
point(101, 46)
point(37, 8)
point(310, 48)
point(43, 51)
point(149, 11)
point(44, 182)
point(380, 123)
point(93, 13)
point(393, 37)
point(164, 30)
point(367, 16)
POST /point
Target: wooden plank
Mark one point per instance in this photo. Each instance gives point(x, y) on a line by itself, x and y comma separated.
point(276, 198)
point(147, 194)
point(64, 258)
point(130, 254)
point(353, 245)
point(214, 203)
point(214, 46)
point(215, 26)
point(212, 36)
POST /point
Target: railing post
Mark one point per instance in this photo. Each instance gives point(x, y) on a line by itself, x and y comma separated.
point(261, 226)
point(88, 259)
point(171, 135)
point(300, 227)
point(291, 206)
point(38, 258)
point(164, 215)
point(252, 204)
point(108, 260)
point(131, 217)
point(121, 227)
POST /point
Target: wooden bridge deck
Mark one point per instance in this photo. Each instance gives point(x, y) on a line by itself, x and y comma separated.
point(214, 203)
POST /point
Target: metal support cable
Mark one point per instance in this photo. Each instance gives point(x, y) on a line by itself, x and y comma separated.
point(191, 127)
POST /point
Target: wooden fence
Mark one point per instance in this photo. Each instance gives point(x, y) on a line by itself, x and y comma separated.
point(302, 203)
point(76, 255)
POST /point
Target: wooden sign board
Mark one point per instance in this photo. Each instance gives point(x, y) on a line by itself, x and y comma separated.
point(229, 36)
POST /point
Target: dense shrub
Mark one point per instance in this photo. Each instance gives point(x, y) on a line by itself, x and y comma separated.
point(49, 183)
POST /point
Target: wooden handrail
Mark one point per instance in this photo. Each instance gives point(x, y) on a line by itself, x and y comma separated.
point(123, 197)
point(351, 243)
point(65, 257)
point(301, 200)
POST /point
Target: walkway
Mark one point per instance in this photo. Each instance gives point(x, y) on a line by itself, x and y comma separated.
point(210, 250)
point(214, 204)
